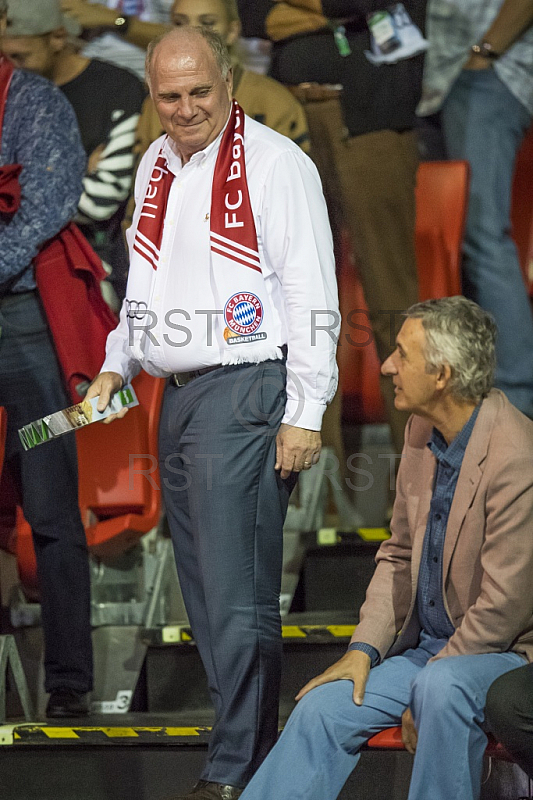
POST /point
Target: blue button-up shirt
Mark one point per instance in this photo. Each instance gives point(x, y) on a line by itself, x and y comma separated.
point(434, 620)
point(430, 601)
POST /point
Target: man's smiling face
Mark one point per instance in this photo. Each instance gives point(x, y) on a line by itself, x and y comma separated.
point(191, 97)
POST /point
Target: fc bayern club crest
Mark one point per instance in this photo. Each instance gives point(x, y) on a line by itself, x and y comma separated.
point(243, 313)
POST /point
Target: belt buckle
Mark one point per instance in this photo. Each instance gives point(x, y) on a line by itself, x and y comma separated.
point(177, 379)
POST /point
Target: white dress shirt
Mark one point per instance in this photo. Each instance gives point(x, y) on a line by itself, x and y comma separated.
point(296, 253)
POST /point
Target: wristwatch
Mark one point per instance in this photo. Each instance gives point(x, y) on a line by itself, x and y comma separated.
point(485, 50)
point(121, 24)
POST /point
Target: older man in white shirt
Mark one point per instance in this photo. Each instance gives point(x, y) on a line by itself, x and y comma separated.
point(232, 296)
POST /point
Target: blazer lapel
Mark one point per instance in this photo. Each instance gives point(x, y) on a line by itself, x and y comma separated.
point(422, 515)
point(469, 476)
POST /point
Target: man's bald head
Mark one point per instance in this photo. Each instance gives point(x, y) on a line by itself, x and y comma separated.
point(187, 41)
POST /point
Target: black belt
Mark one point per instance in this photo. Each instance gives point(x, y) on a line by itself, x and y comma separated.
point(180, 379)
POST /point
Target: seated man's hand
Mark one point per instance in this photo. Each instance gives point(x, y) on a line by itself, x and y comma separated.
point(353, 666)
point(296, 449)
point(409, 734)
point(104, 386)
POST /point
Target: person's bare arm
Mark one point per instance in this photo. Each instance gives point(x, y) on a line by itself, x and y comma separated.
point(96, 15)
point(512, 20)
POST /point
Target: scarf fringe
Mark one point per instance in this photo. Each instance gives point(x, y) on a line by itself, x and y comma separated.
point(252, 356)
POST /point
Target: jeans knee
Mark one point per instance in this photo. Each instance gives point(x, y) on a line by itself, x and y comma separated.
point(437, 686)
point(318, 707)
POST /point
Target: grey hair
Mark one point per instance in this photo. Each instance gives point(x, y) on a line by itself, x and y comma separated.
point(215, 42)
point(462, 335)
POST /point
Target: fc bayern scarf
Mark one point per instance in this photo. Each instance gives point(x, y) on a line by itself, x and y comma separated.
point(244, 327)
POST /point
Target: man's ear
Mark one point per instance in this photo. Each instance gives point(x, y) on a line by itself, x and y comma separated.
point(229, 83)
point(444, 376)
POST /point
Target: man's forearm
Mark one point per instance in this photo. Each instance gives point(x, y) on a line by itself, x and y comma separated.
point(97, 15)
point(141, 33)
point(514, 17)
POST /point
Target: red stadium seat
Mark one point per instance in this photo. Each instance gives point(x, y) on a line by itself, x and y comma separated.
point(118, 503)
point(522, 208)
point(441, 204)
point(3, 430)
point(391, 739)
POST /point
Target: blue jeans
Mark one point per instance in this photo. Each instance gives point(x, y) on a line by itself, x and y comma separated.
point(46, 481)
point(321, 742)
point(485, 124)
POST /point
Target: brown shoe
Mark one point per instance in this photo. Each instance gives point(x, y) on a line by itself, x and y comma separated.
point(207, 790)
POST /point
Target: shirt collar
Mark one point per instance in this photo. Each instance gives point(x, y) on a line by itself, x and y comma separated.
point(201, 158)
point(452, 454)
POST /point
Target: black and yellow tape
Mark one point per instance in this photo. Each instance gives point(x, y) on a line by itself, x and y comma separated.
point(181, 634)
point(49, 734)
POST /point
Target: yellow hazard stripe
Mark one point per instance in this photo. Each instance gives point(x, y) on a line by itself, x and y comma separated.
point(301, 632)
point(185, 731)
point(293, 632)
point(60, 733)
point(341, 630)
point(374, 534)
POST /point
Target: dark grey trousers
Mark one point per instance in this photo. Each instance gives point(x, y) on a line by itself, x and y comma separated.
point(226, 506)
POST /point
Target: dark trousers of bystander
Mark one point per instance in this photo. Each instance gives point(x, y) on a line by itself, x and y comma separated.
point(46, 480)
point(369, 184)
point(510, 714)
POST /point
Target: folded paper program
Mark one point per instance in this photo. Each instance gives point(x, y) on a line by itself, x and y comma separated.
point(76, 416)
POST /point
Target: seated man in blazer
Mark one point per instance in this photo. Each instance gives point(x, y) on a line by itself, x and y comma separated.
point(450, 606)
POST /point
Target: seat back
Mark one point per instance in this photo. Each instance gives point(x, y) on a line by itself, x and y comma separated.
point(522, 208)
point(119, 489)
point(3, 431)
point(441, 204)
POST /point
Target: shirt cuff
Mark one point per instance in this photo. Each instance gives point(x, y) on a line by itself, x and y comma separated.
point(124, 366)
point(371, 651)
point(301, 414)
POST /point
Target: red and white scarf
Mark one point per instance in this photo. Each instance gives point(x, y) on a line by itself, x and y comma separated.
point(245, 331)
